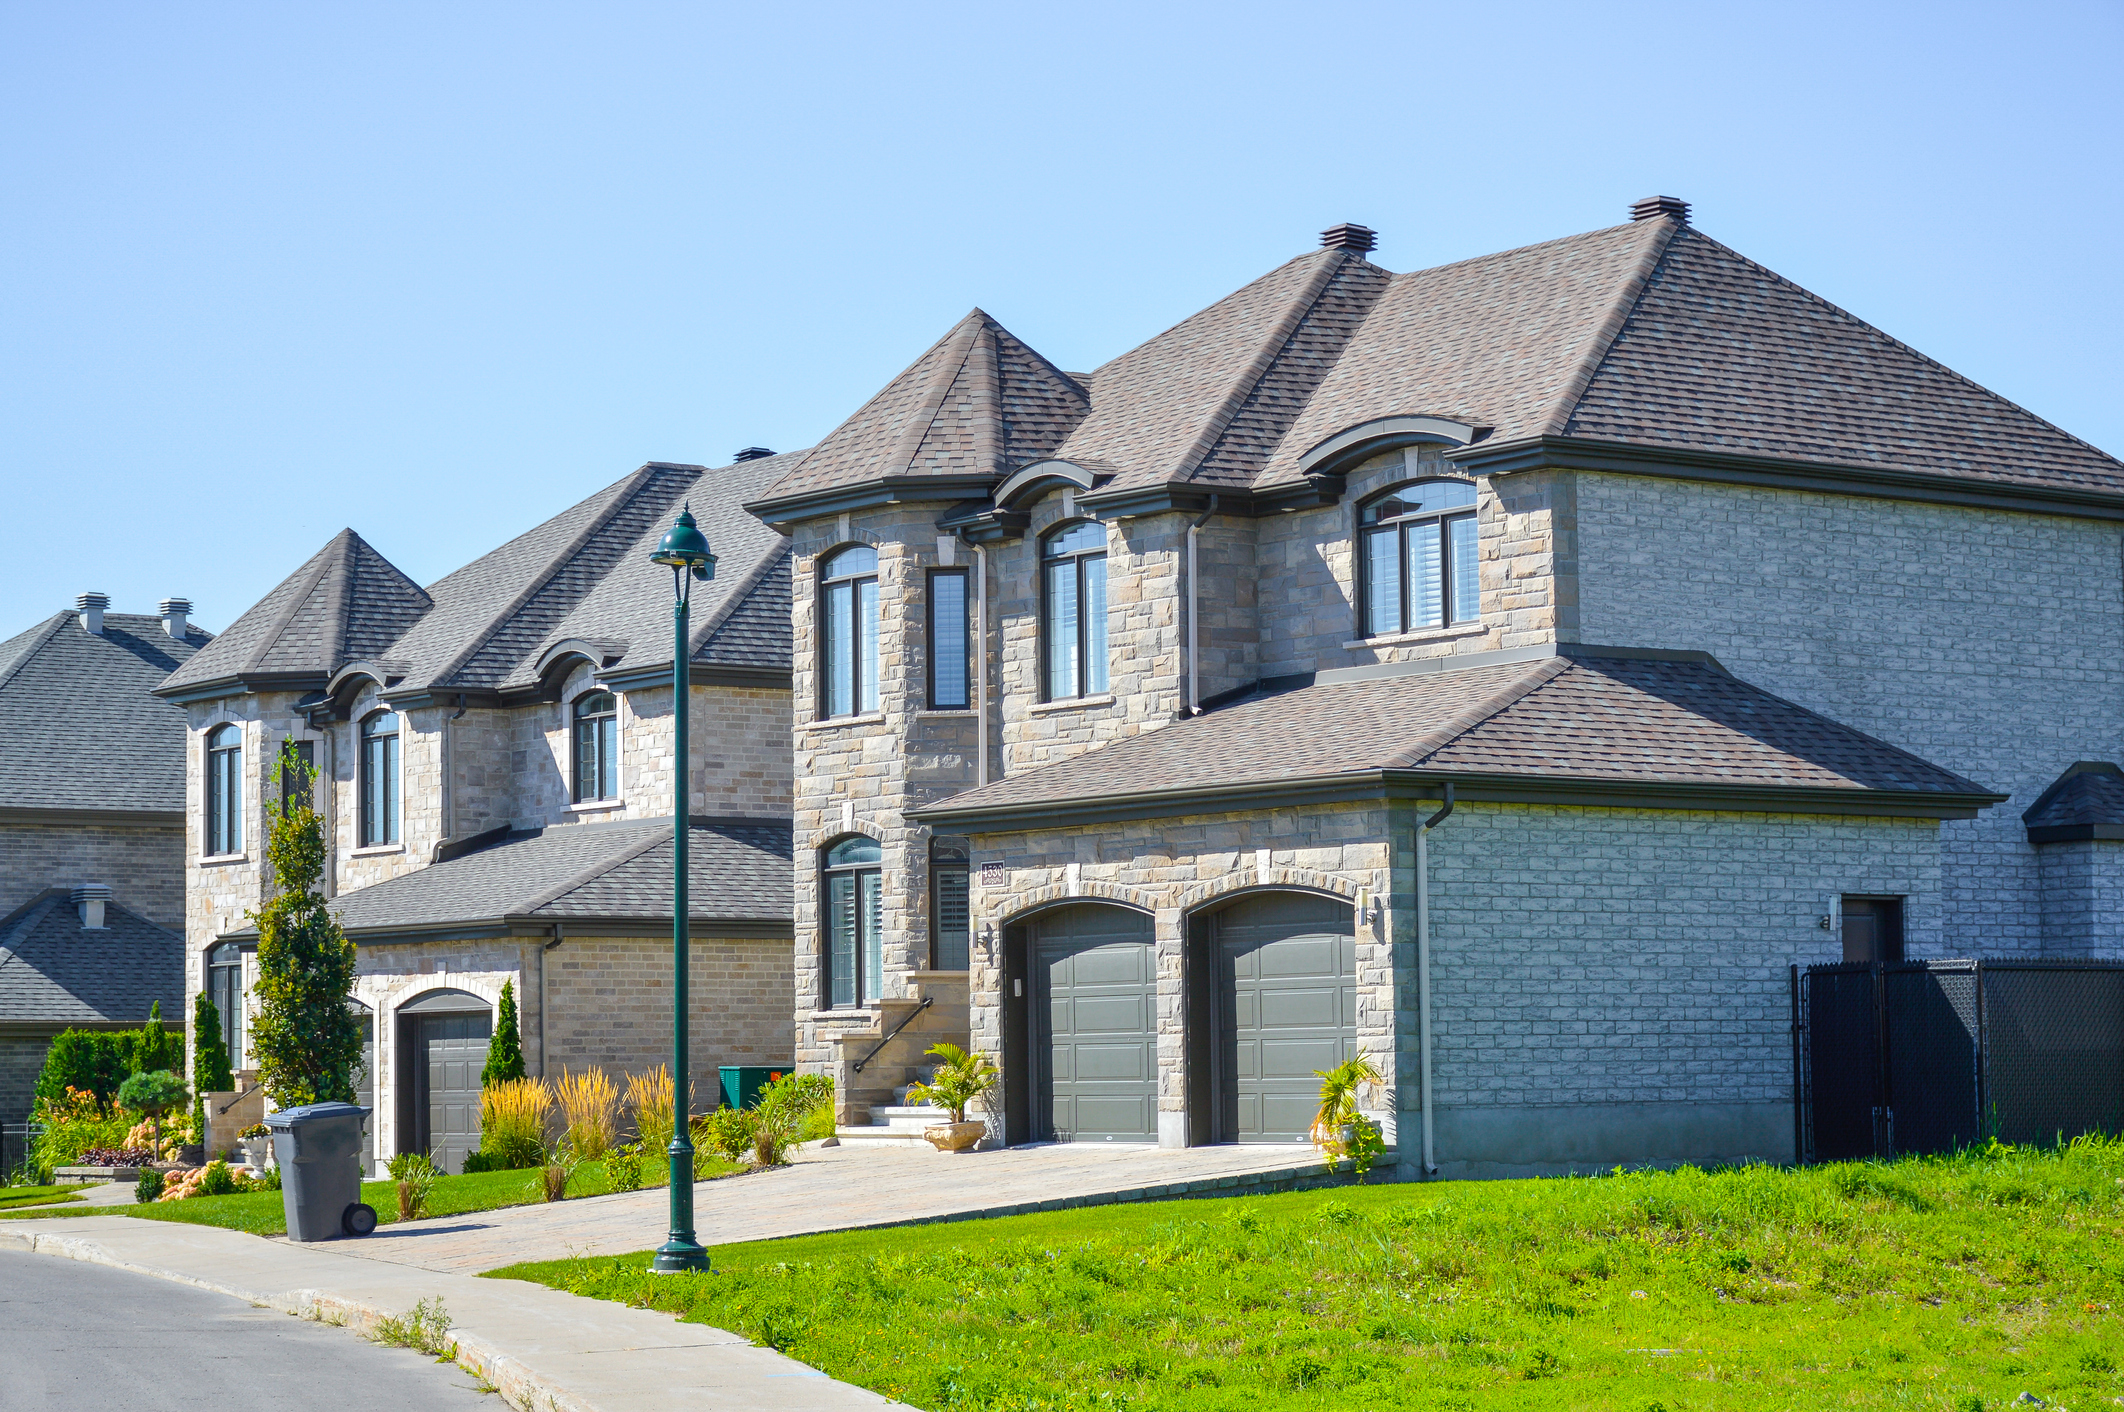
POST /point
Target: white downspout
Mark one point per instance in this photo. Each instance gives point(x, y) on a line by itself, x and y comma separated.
point(1423, 975)
point(1194, 676)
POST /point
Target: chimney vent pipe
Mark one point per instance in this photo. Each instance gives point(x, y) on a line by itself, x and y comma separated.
point(1651, 208)
point(1362, 239)
point(91, 606)
point(753, 453)
point(174, 612)
point(89, 900)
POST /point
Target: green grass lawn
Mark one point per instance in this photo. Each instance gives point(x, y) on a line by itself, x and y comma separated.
point(14, 1196)
point(263, 1212)
point(1926, 1283)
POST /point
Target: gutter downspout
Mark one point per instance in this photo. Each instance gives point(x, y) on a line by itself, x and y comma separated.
point(1423, 974)
point(558, 938)
point(1194, 677)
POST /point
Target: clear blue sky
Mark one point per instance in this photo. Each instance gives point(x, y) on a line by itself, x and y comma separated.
point(438, 271)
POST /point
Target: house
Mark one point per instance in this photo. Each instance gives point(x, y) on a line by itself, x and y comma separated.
point(1506, 671)
point(493, 764)
point(91, 829)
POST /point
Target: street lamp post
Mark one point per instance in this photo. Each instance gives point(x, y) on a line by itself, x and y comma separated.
point(684, 551)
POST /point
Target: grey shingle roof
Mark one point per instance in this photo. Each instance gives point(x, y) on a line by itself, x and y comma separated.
point(1632, 721)
point(738, 870)
point(80, 726)
point(53, 971)
point(2086, 802)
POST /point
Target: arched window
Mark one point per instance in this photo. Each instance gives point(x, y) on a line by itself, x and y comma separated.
point(950, 921)
point(855, 948)
point(596, 747)
point(224, 987)
point(224, 790)
point(1073, 609)
point(848, 632)
point(1417, 551)
point(379, 779)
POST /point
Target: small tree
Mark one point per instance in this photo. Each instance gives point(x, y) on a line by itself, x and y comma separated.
point(153, 1093)
point(156, 1048)
point(307, 1040)
point(211, 1072)
point(505, 1055)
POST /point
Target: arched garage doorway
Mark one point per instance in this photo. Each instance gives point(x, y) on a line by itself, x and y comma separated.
point(442, 1046)
point(1082, 1022)
point(1272, 998)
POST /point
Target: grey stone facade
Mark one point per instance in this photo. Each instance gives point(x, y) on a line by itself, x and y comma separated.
point(2082, 885)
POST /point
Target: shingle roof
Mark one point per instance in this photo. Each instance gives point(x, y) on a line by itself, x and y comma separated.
point(2086, 802)
point(1630, 720)
point(738, 870)
point(54, 971)
point(80, 725)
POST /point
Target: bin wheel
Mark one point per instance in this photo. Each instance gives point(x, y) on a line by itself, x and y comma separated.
point(359, 1220)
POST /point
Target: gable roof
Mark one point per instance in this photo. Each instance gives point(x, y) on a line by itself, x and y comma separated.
point(54, 971)
point(1601, 726)
point(2084, 803)
point(84, 729)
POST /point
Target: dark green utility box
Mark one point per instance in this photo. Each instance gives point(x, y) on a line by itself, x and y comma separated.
point(742, 1082)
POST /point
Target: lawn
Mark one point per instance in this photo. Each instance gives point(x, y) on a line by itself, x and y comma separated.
point(14, 1196)
point(1926, 1283)
point(263, 1212)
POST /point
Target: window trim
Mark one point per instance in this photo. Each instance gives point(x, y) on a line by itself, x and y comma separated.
point(1443, 518)
point(392, 785)
point(828, 871)
point(1076, 559)
point(224, 787)
point(606, 755)
point(942, 865)
point(231, 1014)
point(853, 583)
point(929, 621)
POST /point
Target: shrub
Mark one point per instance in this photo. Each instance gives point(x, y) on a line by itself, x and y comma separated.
point(588, 1100)
point(153, 1092)
point(182, 1184)
point(148, 1188)
point(154, 1047)
point(115, 1156)
point(210, 1057)
point(959, 1080)
point(779, 1114)
point(76, 1123)
point(727, 1132)
point(91, 1061)
point(415, 1175)
point(623, 1167)
point(512, 1121)
point(505, 1053)
point(218, 1180)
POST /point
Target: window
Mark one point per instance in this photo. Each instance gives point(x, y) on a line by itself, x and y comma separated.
point(596, 747)
point(1418, 548)
point(1073, 607)
point(950, 641)
point(855, 953)
point(225, 990)
point(224, 790)
point(295, 776)
point(950, 923)
point(379, 779)
point(848, 643)
point(1873, 929)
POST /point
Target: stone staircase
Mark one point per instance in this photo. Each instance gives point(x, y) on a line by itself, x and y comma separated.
point(872, 1104)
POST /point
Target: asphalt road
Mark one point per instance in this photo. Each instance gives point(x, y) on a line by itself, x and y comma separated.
point(75, 1335)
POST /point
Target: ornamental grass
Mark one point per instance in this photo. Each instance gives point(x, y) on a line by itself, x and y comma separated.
point(589, 1102)
point(512, 1120)
point(649, 1099)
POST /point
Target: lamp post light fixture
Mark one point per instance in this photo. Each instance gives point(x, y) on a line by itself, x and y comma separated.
point(684, 551)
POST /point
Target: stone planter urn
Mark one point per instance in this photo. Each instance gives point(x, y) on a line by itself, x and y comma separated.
point(256, 1150)
point(955, 1137)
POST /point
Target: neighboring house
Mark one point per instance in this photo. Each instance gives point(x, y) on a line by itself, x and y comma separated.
point(1706, 623)
point(494, 760)
point(91, 802)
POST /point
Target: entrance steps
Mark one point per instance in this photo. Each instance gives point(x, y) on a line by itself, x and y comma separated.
point(894, 1125)
point(891, 1050)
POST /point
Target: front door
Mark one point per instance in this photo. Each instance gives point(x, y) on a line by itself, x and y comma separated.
point(1095, 987)
point(1286, 1008)
point(449, 1052)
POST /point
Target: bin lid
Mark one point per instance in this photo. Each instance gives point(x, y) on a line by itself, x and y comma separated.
point(314, 1112)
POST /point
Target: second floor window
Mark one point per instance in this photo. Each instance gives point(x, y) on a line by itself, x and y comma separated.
point(950, 641)
point(224, 790)
point(1073, 609)
point(855, 947)
point(848, 632)
point(1417, 557)
point(596, 747)
point(379, 779)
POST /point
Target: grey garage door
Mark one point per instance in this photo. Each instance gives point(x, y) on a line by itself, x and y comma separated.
point(1096, 996)
point(451, 1050)
point(1287, 1006)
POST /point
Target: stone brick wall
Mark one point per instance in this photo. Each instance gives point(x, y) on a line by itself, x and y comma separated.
point(740, 747)
point(21, 1061)
point(1987, 642)
point(2083, 898)
point(144, 865)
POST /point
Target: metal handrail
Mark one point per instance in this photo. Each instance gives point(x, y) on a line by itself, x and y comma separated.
point(905, 1021)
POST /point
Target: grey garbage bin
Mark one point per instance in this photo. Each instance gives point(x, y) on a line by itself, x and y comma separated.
point(318, 1147)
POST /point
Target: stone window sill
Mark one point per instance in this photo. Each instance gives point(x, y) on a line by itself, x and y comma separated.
point(860, 1015)
point(1427, 635)
point(378, 850)
point(596, 806)
point(1073, 703)
point(950, 713)
point(869, 718)
point(222, 860)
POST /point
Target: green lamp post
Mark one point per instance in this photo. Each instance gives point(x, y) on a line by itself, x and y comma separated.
point(684, 551)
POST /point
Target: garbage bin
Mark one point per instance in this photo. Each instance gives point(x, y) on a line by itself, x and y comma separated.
point(318, 1147)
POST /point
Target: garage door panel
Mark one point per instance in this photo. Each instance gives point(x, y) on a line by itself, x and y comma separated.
point(1117, 962)
point(1113, 1061)
point(1110, 1014)
point(1286, 1007)
point(1098, 1053)
point(1316, 956)
point(1300, 1059)
point(1300, 1009)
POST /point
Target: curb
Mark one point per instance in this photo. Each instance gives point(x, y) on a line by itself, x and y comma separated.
point(517, 1384)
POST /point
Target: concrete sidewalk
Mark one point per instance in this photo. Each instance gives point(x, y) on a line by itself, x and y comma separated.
point(543, 1349)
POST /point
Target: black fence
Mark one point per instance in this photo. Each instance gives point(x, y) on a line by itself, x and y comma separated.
point(16, 1140)
point(1928, 1056)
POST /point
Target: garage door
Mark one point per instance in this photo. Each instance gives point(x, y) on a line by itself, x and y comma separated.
point(1287, 1006)
point(1096, 992)
point(452, 1049)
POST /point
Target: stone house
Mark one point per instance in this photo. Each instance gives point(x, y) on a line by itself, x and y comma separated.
point(91, 829)
point(1506, 671)
point(493, 763)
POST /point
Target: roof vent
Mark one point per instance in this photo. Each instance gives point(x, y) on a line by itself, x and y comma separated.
point(88, 900)
point(1362, 239)
point(1651, 208)
point(92, 605)
point(174, 612)
point(754, 453)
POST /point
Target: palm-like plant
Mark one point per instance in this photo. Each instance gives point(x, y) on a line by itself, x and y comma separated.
point(1341, 1129)
point(959, 1080)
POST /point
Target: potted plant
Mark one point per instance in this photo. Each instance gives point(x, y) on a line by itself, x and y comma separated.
point(257, 1140)
point(960, 1079)
point(1340, 1129)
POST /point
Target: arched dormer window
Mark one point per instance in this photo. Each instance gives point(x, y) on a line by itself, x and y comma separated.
point(379, 780)
point(848, 632)
point(224, 790)
point(1416, 553)
point(855, 948)
point(596, 747)
point(1073, 609)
